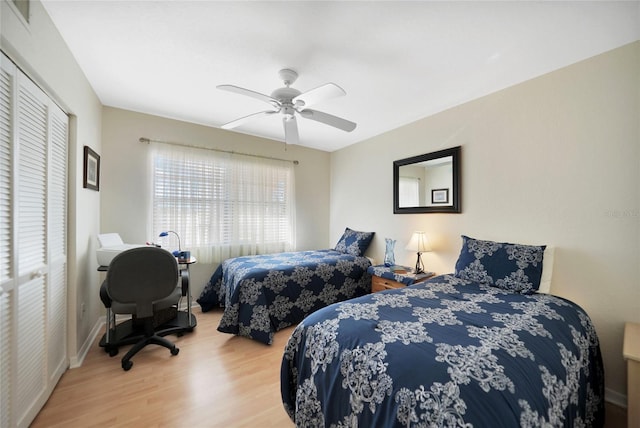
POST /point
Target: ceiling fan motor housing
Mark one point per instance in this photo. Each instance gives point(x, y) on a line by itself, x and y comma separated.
point(285, 95)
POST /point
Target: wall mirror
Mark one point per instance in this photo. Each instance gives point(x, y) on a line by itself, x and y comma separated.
point(428, 183)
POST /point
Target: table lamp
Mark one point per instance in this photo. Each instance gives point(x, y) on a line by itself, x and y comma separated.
point(162, 234)
point(419, 244)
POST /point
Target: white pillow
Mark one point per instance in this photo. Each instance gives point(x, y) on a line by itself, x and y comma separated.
point(547, 270)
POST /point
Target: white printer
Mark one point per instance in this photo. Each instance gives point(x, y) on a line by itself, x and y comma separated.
point(110, 245)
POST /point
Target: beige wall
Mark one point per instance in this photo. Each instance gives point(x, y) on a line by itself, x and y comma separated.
point(554, 160)
point(40, 51)
point(124, 188)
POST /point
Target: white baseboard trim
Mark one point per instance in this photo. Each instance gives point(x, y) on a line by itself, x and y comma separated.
point(76, 361)
point(615, 397)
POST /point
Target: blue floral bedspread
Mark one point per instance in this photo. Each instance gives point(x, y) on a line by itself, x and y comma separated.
point(266, 293)
point(443, 353)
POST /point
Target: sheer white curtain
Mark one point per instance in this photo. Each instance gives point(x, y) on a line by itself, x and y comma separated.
point(221, 204)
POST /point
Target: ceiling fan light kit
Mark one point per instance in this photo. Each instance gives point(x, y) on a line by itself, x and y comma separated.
point(288, 101)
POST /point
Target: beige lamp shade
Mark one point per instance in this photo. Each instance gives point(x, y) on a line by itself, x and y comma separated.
point(418, 243)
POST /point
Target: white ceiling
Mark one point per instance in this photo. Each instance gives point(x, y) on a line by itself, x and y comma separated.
point(397, 61)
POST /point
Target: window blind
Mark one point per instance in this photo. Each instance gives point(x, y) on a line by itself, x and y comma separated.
point(221, 204)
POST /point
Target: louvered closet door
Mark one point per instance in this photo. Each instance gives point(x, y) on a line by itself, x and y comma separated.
point(57, 244)
point(30, 219)
point(33, 205)
point(7, 274)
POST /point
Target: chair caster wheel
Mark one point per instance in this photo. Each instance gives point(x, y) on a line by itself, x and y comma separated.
point(112, 351)
point(174, 351)
point(126, 365)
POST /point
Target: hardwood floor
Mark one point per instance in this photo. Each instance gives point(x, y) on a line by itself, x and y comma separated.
point(217, 380)
point(616, 417)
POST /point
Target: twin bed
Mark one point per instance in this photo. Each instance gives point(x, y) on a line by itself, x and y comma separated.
point(480, 348)
point(477, 348)
point(445, 353)
point(266, 293)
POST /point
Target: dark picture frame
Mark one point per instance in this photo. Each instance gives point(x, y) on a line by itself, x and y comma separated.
point(440, 196)
point(91, 174)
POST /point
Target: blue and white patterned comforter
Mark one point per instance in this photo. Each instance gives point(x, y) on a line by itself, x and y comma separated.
point(265, 293)
point(445, 353)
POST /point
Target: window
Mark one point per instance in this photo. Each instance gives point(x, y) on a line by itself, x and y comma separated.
point(409, 191)
point(222, 205)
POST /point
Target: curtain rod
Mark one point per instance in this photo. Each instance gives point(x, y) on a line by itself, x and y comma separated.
point(148, 140)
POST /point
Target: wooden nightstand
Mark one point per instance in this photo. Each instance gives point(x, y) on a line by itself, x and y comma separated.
point(383, 278)
point(631, 352)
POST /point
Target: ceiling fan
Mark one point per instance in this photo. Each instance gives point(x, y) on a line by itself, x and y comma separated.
point(289, 101)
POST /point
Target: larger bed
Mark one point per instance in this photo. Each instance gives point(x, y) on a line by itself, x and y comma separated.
point(452, 351)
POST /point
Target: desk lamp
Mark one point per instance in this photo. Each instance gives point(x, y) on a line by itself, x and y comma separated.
point(419, 244)
point(179, 250)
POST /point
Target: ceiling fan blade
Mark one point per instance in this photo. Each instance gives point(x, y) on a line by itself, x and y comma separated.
point(291, 135)
point(242, 120)
point(328, 119)
point(321, 93)
point(250, 93)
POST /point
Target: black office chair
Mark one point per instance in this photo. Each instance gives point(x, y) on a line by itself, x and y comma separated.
point(142, 281)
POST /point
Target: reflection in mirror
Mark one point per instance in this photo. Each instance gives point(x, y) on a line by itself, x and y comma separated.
point(427, 183)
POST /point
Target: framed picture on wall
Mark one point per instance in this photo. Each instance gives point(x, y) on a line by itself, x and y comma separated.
point(440, 196)
point(91, 175)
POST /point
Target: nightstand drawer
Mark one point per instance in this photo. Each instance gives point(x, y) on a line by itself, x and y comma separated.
point(381, 284)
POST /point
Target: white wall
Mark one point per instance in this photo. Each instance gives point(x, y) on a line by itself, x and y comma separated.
point(124, 188)
point(554, 160)
point(40, 51)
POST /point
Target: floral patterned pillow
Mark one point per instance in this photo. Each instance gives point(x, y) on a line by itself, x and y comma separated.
point(512, 267)
point(354, 242)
